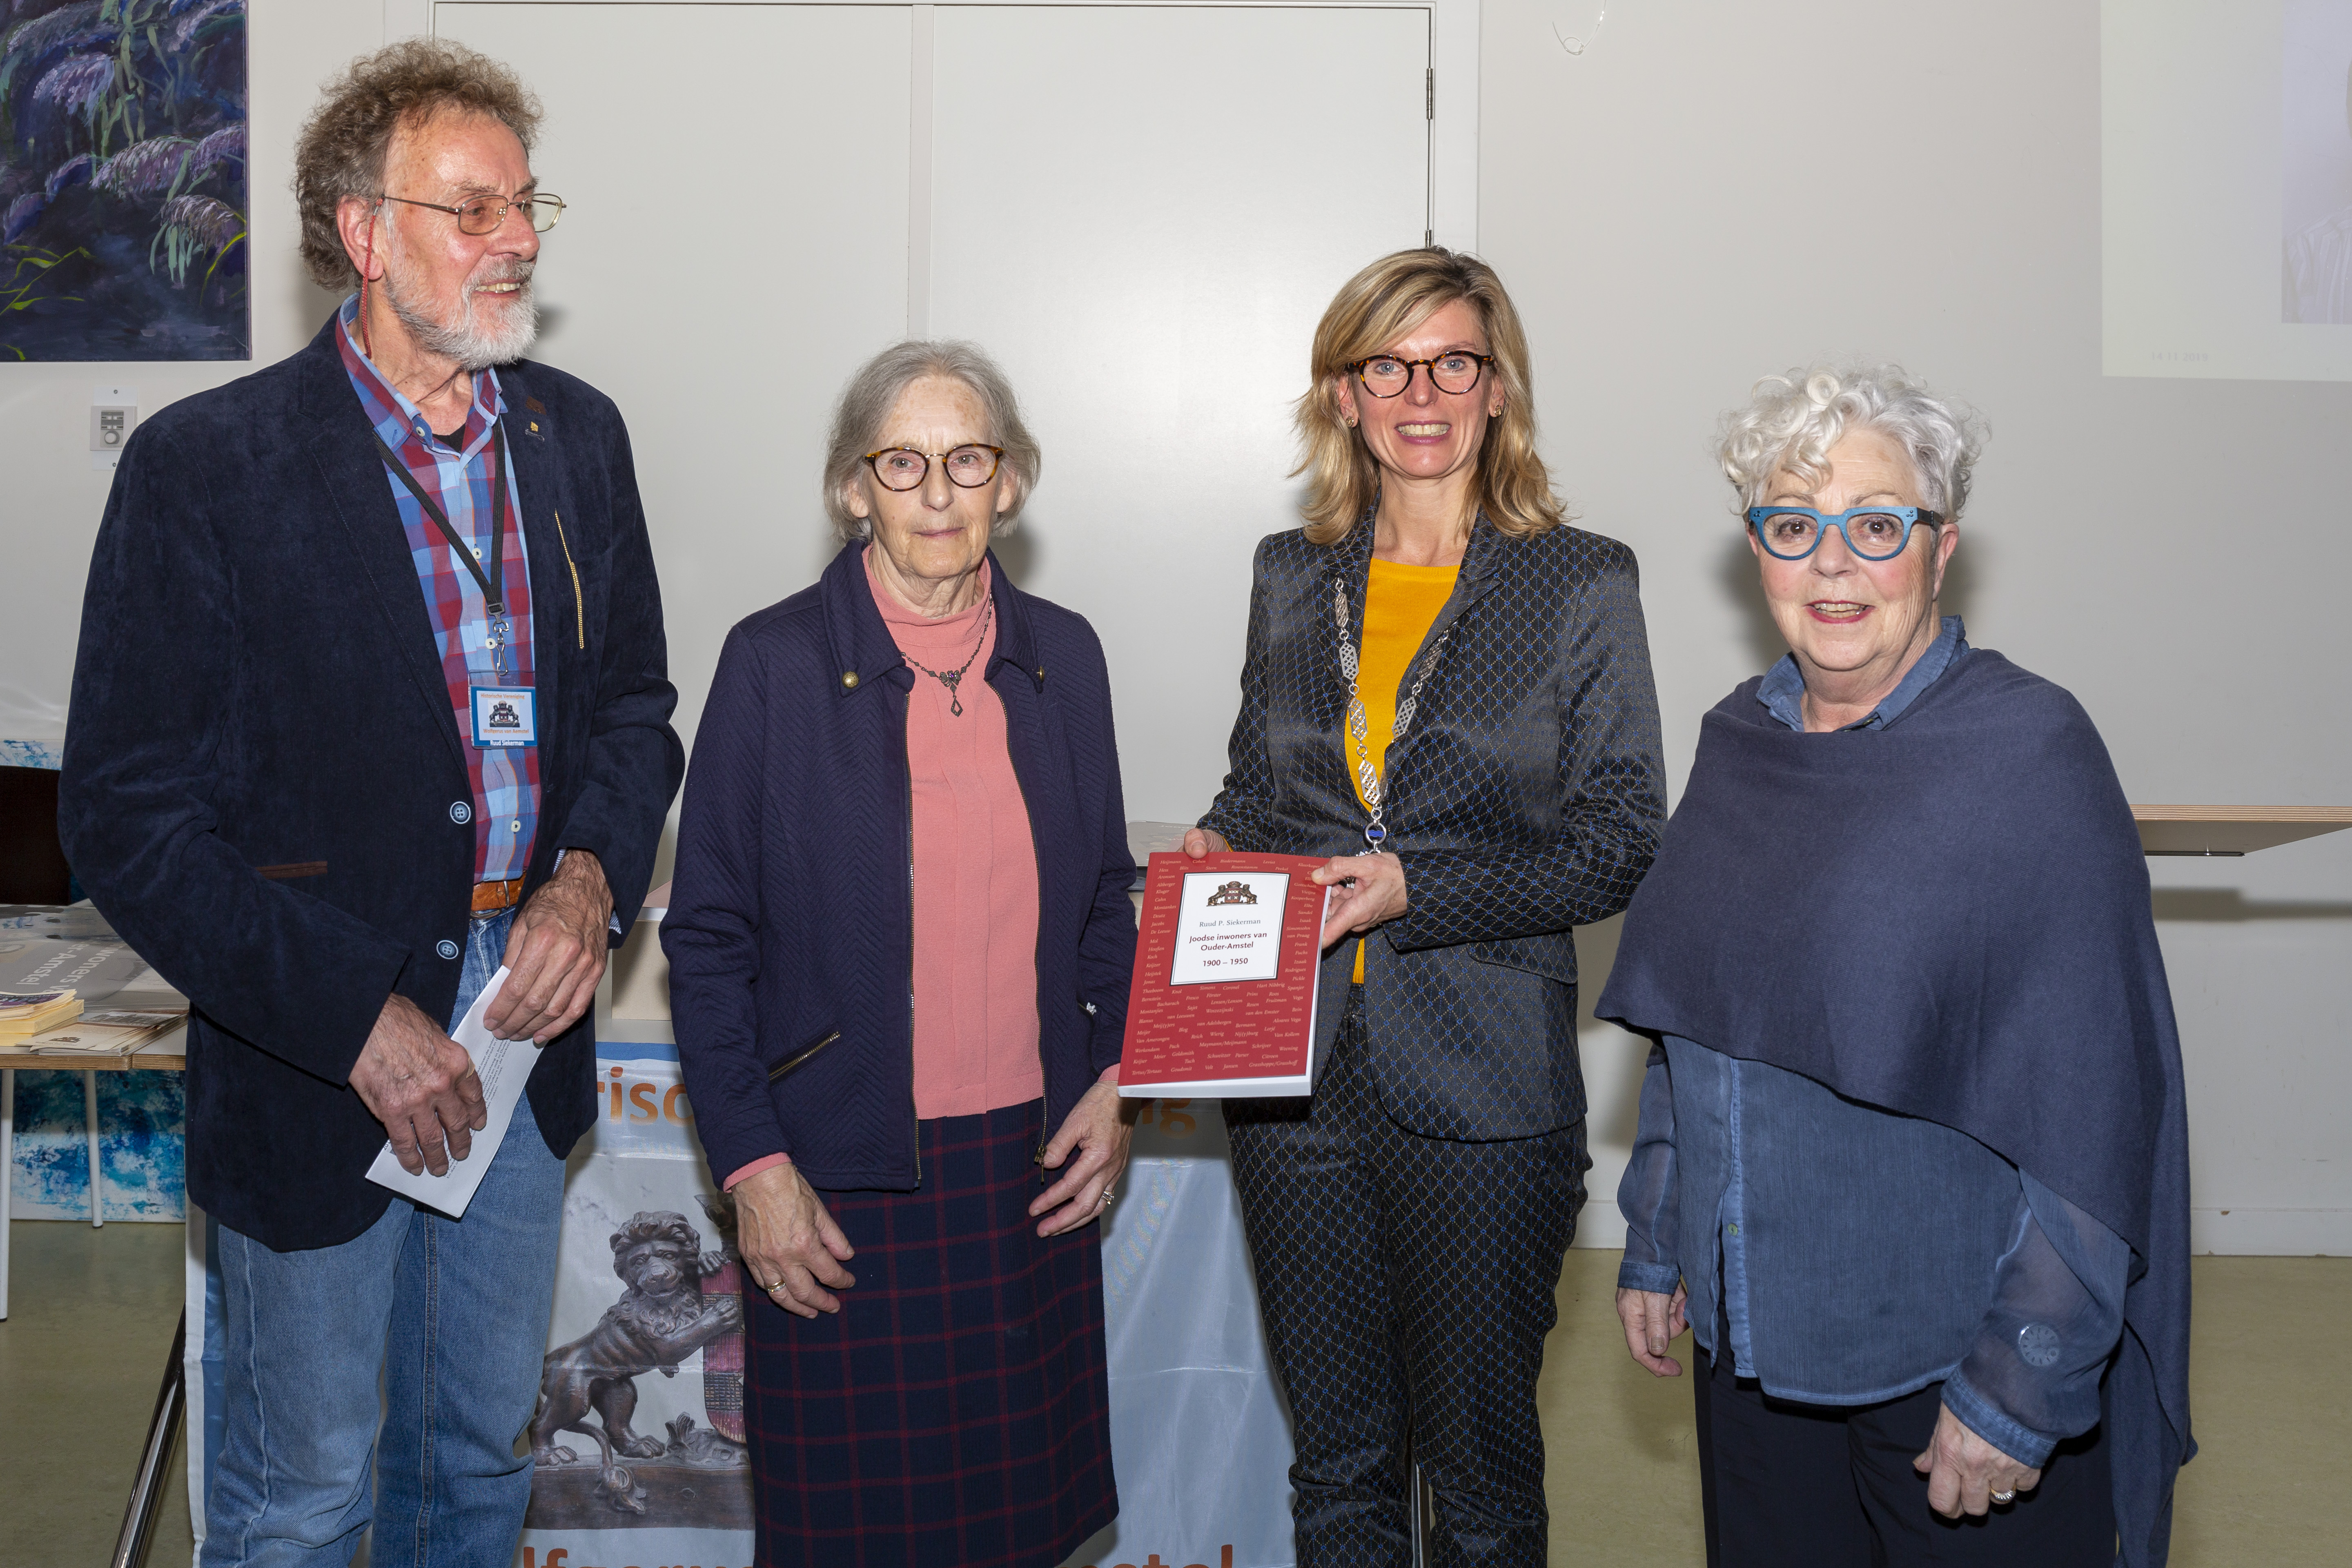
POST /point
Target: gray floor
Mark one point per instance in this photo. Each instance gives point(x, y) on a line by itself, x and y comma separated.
point(93, 1310)
point(2269, 1380)
point(90, 1314)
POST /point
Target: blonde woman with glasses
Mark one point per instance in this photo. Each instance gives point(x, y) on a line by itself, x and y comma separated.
point(1447, 690)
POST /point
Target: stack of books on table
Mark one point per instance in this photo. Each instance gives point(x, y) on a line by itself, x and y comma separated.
point(109, 1032)
point(26, 1013)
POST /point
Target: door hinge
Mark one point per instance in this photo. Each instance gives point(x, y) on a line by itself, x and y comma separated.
point(1429, 93)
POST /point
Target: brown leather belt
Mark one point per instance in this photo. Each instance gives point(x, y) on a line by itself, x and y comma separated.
point(490, 898)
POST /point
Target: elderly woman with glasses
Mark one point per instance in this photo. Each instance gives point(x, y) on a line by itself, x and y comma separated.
point(1912, 1160)
point(900, 945)
point(1447, 689)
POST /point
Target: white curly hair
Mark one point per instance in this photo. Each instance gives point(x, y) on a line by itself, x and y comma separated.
point(1790, 422)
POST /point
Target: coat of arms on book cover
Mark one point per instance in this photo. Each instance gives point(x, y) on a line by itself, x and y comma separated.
point(1234, 893)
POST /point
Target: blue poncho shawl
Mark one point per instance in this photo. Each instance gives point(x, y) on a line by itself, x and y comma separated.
point(1950, 918)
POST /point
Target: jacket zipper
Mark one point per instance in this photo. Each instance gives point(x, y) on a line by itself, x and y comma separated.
point(1046, 1133)
point(906, 762)
point(793, 1063)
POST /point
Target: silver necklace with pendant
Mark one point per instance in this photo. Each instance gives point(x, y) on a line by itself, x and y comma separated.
point(952, 678)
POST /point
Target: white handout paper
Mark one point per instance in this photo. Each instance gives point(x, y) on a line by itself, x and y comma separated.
point(505, 1068)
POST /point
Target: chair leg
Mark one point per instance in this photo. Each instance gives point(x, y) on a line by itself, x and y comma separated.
point(147, 1488)
point(7, 1174)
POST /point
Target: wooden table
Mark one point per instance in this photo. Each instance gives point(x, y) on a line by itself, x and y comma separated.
point(2232, 830)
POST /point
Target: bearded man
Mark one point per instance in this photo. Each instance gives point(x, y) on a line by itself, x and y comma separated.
point(372, 698)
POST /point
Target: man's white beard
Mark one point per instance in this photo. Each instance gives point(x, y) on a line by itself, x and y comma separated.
point(472, 343)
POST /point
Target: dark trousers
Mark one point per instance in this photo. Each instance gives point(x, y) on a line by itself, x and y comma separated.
point(1816, 1486)
point(1407, 1284)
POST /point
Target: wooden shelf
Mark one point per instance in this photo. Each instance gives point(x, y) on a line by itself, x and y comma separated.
point(2232, 830)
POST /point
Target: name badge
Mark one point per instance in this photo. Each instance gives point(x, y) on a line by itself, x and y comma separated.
point(505, 716)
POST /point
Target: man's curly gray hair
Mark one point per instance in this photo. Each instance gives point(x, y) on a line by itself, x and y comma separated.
point(344, 144)
point(866, 403)
point(1791, 422)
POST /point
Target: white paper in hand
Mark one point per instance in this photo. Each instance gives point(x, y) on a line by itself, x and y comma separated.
point(505, 1067)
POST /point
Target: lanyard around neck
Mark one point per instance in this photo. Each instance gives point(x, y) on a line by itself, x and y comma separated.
point(492, 581)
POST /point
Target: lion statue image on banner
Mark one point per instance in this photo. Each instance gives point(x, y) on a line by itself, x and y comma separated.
point(662, 1317)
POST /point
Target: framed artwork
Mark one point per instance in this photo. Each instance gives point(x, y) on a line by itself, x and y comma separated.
point(123, 181)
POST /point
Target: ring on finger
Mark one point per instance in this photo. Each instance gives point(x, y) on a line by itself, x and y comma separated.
point(2009, 1496)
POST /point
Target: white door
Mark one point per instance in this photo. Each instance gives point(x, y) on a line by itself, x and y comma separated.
point(735, 246)
point(1141, 210)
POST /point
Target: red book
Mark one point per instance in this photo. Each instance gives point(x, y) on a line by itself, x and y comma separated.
point(1222, 1005)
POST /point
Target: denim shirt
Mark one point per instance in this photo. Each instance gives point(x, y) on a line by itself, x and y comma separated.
point(1756, 1187)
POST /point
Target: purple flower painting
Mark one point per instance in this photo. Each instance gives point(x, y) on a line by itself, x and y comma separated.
point(122, 180)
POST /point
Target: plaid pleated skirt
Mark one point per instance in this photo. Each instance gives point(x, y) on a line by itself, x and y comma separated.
point(955, 1412)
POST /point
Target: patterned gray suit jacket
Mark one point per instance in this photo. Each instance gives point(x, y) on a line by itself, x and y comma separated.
point(1524, 800)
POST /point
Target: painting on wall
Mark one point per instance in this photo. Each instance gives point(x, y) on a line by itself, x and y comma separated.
point(122, 180)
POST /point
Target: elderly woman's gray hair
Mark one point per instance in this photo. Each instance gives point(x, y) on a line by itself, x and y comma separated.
point(1791, 422)
point(866, 402)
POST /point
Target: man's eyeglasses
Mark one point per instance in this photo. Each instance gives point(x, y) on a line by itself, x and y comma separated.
point(483, 215)
point(1872, 533)
point(1385, 375)
point(970, 466)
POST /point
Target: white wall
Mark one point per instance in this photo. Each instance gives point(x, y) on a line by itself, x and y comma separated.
point(1710, 193)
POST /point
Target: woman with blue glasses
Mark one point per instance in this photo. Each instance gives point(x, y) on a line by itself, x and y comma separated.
point(1912, 1160)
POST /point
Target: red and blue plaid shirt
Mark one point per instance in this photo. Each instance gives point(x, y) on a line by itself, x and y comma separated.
point(505, 778)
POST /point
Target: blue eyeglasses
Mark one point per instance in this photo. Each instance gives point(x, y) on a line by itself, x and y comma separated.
point(1872, 533)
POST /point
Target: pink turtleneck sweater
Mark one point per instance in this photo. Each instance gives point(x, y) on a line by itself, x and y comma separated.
point(975, 874)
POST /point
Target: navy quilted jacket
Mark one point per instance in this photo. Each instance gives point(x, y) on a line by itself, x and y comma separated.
point(790, 930)
point(1524, 800)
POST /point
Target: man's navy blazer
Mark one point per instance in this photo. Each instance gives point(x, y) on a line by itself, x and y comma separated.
point(264, 789)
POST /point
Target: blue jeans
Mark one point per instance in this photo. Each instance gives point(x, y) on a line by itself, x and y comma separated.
point(452, 1315)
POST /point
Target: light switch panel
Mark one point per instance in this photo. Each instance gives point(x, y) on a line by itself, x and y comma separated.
point(113, 415)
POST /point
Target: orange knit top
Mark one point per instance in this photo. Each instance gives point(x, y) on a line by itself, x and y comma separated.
point(1401, 603)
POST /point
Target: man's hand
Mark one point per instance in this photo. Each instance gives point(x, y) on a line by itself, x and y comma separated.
point(555, 954)
point(1371, 892)
point(422, 1085)
point(1963, 1470)
point(1653, 1321)
point(1101, 1127)
point(790, 1247)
